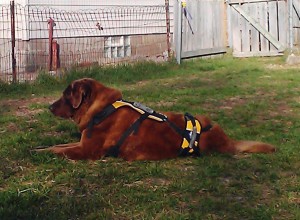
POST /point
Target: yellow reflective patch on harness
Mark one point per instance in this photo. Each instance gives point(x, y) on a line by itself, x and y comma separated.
point(119, 104)
point(189, 126)
point(185, 143)
point(155, 118)
point(198, 126)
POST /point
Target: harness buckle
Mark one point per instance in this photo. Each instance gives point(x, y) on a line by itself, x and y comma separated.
point(143, 107)
point(193, 136)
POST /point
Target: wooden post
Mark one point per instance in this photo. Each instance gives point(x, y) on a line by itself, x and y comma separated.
point(13, 41)
point(178, 30)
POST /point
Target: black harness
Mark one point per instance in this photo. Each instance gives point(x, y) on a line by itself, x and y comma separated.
point(190, 135)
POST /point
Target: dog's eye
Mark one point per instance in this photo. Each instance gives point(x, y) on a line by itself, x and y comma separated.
point(67, 91)
point(68, 102)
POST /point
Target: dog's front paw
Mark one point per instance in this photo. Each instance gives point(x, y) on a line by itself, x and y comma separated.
point(40, 148)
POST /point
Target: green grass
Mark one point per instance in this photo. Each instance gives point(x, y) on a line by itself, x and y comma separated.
point(255, 99)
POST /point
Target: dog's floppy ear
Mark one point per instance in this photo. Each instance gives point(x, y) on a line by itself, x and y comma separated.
point(79, 91)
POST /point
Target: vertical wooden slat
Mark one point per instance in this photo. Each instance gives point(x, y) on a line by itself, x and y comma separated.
point(208, 25)
point(192, 7)
point(254, 35)
point(219, 27)
point(235, 23)
point(282, 22)
point(201, 32)
point(202, 5)
point(215, 18)
point(245, 31)
point(184, 34)
point(203, 20)
point(296, 23)
point(264, 22)
point(273, 22)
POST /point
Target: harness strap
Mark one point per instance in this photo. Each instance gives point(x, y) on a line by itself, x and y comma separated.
point(178, 130)
point(99, 117)
point(114, 150)
point(207, 128)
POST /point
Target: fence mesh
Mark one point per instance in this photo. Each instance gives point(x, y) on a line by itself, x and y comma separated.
point(57, 37)
point(5, 41)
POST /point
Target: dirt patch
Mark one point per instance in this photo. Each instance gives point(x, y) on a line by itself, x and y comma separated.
point(232, 102)
point(21, 107)
point(23, 111)
point(12, 127)
point(23, 102)
point(282, 66)
point(153, 183)
point(280, 107)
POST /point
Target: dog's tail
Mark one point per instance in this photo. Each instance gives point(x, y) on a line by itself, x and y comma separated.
point(216, 140)
point(253, 147)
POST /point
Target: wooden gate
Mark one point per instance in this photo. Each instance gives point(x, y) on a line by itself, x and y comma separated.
point(258, 27)
point(200, 28)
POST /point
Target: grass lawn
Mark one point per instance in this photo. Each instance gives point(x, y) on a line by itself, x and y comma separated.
point(252, 99)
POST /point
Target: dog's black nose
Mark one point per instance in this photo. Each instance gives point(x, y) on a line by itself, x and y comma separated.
point(50, 108)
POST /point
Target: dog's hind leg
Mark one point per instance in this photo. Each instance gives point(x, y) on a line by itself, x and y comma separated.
point(253, 147)
point(216, 140)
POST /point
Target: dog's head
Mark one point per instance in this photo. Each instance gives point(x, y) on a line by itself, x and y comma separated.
point(80, 95)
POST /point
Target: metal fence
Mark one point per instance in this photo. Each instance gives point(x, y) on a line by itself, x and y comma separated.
point(36, 38)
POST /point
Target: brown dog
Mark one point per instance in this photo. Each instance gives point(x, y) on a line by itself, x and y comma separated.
point(112, 127)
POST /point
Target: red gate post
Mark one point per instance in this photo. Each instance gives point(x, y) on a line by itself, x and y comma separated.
point(55, 56)
point(51, 24)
